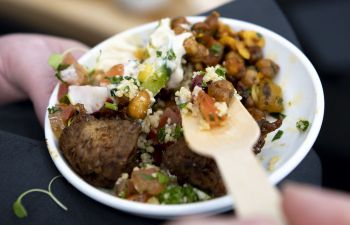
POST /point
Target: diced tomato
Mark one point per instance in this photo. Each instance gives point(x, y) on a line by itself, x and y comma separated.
point(62, 91)
point(172, 113)
point(208, 109)
point(146, 181)
point(139, 197)
point(67, 112)
point(115, 70)
point(126, 188)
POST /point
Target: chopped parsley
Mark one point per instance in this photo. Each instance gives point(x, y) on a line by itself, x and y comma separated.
point(204, 84)
point(216, 49)
point(176, 194)
point(178, 132)
point(183, 105)
point(159, 54)
point(115, 80)
point(278, 135)
point(302, 125)
point(53, 109)
point(220, 71)
point(171, 54)
point(161, 134)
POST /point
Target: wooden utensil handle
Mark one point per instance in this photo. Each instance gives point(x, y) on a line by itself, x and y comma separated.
point(248, 184)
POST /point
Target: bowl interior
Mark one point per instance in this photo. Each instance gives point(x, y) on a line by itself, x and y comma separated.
point(303, 99)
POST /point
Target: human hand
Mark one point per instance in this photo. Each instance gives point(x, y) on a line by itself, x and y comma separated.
point(303, 205)
point(24, 69)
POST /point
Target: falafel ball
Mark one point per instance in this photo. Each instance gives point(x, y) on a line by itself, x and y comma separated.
point(100, 150)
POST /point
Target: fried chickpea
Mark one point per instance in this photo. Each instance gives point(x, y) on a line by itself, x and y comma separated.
point(267, 67)
point(139, 105)
point(221, 90)
point(250, 78)
point(267, 96)
point(234, 65)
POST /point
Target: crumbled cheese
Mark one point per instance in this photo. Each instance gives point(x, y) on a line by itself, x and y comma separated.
point(211, 75)
point(127, 87)
point(201, 195)
point(183, 96)
point(123, 177)
point(222, 108)
point(196, 91)
point(188, 108)
point(169, 133)
point(131, 69)
point(146, 158)
point(144, 144)
point(153, 100)
point(151, 121)
point(69, 75)
point(272, 163)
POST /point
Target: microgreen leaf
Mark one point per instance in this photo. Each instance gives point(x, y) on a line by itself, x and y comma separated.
point(55, 60)
point(19, 210)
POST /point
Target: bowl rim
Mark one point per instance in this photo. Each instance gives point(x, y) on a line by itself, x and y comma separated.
point(213, 206)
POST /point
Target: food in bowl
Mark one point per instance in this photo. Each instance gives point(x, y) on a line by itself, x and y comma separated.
point(119, 124)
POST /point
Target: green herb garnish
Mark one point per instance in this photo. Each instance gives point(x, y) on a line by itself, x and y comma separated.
point(220, 71)
point(19, 209)
point(183, 105)
point(159, 54)
point(122, 194)
point(302, 125)
point(278, 135)
point(216, 49)
point(53, 109)
point(176, 194)
point(178, 132)
point(115, 80)
point(111, 106)
point(171, 54)
point(204, 84)
point(112, 92)
point(161, 134)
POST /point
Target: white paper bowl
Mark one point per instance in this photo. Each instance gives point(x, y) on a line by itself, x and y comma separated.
point(303, 99)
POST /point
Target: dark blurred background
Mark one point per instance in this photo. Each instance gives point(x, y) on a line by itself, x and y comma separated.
point(322, 27)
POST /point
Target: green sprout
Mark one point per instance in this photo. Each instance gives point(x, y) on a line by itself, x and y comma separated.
point(19, 209)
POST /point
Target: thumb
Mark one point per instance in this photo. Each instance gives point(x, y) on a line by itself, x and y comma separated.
point(306, 205)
